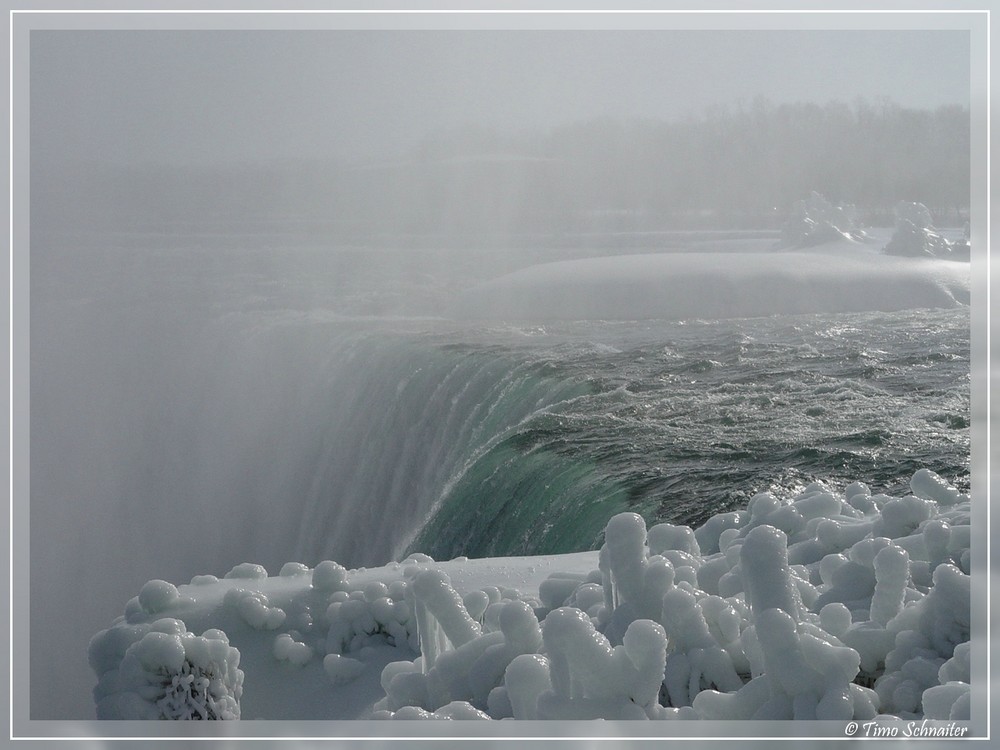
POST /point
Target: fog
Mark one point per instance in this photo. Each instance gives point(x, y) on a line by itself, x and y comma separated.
point(489, 133)
point(210, 97)
point(206, 207)
point(738, 168)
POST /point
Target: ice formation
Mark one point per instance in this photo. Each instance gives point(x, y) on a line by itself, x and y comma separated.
point(160, 670)
point(826, 605)
point(815, 221)
point(916, 236)
point(254, 608)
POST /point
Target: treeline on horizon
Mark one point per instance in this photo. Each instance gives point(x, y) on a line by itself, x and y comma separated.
point(729, 167)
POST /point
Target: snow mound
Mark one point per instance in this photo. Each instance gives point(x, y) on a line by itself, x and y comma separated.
point(837, 278)
point(825, 605)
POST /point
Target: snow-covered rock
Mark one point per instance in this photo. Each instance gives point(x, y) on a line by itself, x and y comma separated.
point(915, 235)
point(815, 221)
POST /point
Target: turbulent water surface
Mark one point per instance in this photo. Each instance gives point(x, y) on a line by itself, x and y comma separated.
point(255, 400)
point(192, 410)
point(681, 420)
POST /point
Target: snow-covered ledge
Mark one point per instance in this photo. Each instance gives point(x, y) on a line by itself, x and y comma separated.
point(827, 605)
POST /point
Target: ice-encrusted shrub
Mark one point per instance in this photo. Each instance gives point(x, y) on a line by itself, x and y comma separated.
point(950, 699)
point(255, 609)
point(823, 605)
point(290, 648)
point(696, 660)
point(376, 614)
point(442, 620)
point(927, 636)
point(163, 671)
point(847, 573)
point(804, 676)
point(634, 582)
point(249, 571)
point(591, 679)
point(459, 662)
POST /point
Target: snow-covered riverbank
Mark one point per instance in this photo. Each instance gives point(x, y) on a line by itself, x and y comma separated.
point(843, 605)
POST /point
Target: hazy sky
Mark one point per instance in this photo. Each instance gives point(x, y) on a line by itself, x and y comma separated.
point(206, 96)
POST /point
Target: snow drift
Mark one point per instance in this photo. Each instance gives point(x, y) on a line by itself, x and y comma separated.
point(842, 277)
point(826, 605)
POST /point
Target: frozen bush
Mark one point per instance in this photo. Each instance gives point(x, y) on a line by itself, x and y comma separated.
point(958, 667)
point(708, 534)
point(254, 607)
point(442, 620)
point(292, 569)
point(901, 516)
point(355, 620)
point(589, 677)
point(892, 572)
point(766, 575)
point(156, 596)
point(624, 557)
point(251, 571)
point(813, 677)
point(167, 673)
point(790, 609)
point(696, 661)
point(939, 702)
point(665, 536)
point(287, 648)
point(329, 576)
point(927, 485)
point(943, 617)
point(527, 677)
